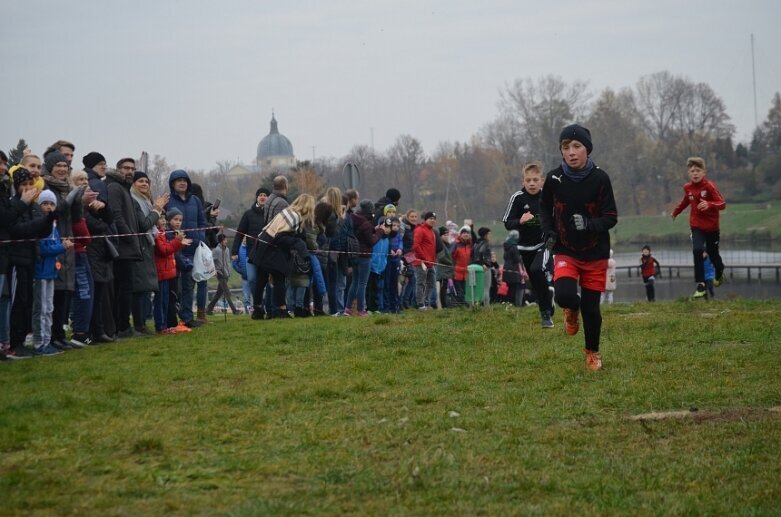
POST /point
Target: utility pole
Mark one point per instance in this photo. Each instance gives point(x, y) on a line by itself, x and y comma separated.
point(754, 77)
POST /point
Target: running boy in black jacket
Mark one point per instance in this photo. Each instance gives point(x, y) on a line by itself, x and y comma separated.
point(522, 214)
point(577, 210)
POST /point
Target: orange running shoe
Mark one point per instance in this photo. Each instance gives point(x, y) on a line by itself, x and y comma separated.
point(593, 360)
point(571, 324)
point(182, 328)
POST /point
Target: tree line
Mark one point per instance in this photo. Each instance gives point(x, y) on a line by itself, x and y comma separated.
point(642, 137)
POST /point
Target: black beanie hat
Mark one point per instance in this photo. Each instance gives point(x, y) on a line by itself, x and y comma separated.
point(53, 159)
point(429, 215)
point(262, 190)
point(138, 175)
point(394, 195)
point(579, 133)
point(90, 160)
point(482, 232)
point(22, 175)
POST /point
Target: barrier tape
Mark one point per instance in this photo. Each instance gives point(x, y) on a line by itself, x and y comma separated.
point(223, 228)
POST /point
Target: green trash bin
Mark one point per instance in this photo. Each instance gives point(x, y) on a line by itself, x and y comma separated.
point(475, 284)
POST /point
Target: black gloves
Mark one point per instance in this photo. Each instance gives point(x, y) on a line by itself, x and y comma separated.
point(580, 222)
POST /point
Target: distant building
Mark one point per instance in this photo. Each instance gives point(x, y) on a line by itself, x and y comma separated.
point(275, 150)
point(239, 171)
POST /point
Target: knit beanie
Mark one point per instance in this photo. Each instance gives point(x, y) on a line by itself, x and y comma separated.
point(262, 190)
point(173, 212)
point(53, 159)
point(388, 208)
point(138, 175)
point(465, 229)
point(429, 215)
point(90, 160)
point(21, 175)
point(579, 133)
point(394, 195)
point(47, 195)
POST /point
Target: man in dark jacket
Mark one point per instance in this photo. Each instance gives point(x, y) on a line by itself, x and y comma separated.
point(250, 226)
point(126, 222)
point(193, 224)
point(100, 258)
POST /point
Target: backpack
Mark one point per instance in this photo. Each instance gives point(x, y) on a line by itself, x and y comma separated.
point(345, 239)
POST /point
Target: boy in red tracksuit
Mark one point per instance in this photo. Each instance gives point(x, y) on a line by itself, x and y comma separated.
point(167, 243)
point(706, 203)
point(648, 267)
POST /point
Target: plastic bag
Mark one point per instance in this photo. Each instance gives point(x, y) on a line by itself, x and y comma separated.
point(203, 263)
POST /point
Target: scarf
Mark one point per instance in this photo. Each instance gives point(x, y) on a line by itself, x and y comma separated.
point(577, 176)
point(60, 187)
point(285, 221)
point(146, 207)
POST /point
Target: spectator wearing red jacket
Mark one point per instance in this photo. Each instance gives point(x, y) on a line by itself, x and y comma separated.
point(706, 203)
point(462, 255)
point(424, 246)
point(167, 243)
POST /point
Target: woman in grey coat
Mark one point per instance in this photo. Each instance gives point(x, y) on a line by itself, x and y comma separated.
point(143, 272)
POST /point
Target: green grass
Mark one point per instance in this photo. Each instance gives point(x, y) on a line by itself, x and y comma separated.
point(739, 222)
point(354, 416)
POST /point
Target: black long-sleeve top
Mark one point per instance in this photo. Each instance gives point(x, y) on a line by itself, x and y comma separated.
point(530, 232)
point(593, 198)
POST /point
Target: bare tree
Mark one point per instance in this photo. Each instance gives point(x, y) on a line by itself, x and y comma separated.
point(158, 174)
point(621, 146)
point(407, 158)
point(541, 109)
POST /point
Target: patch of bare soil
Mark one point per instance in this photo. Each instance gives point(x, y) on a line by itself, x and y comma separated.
point(728, 415)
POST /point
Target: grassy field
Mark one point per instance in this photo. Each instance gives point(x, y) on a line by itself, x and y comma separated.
point(739, 222)
point(446, 412)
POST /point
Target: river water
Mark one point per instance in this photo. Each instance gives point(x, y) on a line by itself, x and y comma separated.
point(681, 282)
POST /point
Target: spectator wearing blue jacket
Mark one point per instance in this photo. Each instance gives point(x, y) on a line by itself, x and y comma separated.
point(393, 269)
point(44, 274)
point(375, 289)
point(193, 222)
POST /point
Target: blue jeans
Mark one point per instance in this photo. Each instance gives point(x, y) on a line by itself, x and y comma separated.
point(295, 297)
point(252, 277)
point(188, 288)
point(5, 309)
point(337, 284)
point(246, 291)
point(84, 290)
point(161, 304)
point(391, 290)
point(361, 268)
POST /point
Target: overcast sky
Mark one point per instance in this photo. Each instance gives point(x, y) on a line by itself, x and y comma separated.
point(196, 81)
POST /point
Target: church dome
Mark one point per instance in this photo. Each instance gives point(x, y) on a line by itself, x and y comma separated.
point(274, 144)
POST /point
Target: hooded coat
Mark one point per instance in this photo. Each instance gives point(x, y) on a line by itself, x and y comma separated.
point(192, 211)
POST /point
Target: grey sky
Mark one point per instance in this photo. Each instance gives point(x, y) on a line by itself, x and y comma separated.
point(196, 81)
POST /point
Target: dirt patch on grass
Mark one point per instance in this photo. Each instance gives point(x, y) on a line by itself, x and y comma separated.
point(729, 415)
